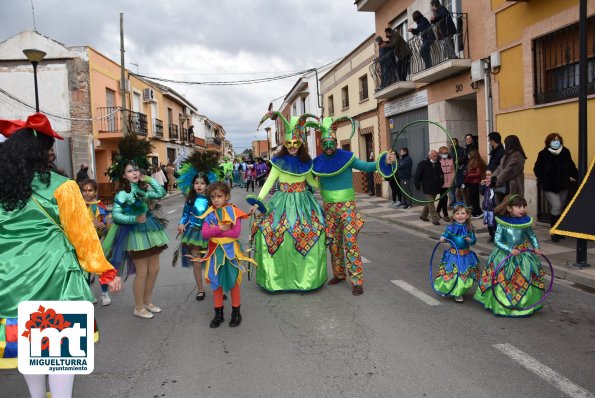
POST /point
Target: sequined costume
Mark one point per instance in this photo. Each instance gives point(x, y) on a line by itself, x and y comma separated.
point(520, 281)
point(192, 238)
point(459, 267)
point(128, 239)
point(45, 250)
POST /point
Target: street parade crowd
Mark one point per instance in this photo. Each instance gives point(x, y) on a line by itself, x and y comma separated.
point(56, 236)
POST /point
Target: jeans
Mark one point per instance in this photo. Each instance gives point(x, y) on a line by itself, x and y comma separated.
point(430, 208)
point(424, 51)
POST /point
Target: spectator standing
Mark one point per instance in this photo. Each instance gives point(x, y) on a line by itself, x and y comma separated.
point(404, 176)
point(446, 28)
point(488, 205)
point(509, 177)
point(82, 174)
point(554, 168)
point(448, 170)
point(387, 63)
point(429, 178)
point(370, 176)
point(394, 188)
point(457, 153)
point(159, 176)
point(424, 29)
point(169, 170)
point(496, 152)
point(261, 171)
point(475, 172)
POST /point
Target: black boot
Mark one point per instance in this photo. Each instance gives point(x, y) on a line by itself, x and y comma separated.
point(553, 221)
point(236, 317)
point(218, 318)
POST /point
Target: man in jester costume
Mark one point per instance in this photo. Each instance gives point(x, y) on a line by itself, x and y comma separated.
point(290, 239)
point(334, 168)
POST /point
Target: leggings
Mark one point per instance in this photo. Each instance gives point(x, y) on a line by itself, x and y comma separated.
point(235, 296)
point(60, 385)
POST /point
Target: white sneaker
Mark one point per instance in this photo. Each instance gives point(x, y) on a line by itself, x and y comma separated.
point(105, 299)
point(397, 203)
point(459, 299)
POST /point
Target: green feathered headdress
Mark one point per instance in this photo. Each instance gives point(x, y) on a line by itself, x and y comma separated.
point(199, 163)
point(130, 149)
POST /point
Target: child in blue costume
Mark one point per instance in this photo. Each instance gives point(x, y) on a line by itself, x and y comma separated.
point(136, 239)
point(459, 267)
point(223, 271)
point(519, 282)
point(334, 167)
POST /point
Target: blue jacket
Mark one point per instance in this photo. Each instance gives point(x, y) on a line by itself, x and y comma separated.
point(404, 168)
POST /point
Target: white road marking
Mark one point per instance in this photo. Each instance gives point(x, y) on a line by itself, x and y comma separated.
point(171, 211)
point(365, 260)
point(546, 373)
point(417, 293)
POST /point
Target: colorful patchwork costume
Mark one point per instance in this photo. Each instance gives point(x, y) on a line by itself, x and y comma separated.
point(290, 241)
point(336, 185)
point(457, 271)
point(520, 281)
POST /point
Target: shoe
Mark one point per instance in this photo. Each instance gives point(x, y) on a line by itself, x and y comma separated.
point(357, 290)
point(335, 280)
point(446, 219)
point(105, 299)
point(424, 219)
point(459, 299)
point(218, 319)
point(153, 308)
point(398, 203)
point(94, 300)
point(436, 222)
point(407, 206)
point(143, 314)
point(236, 317)
point(200, 296)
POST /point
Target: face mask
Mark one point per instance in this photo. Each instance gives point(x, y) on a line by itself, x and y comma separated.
point(329, 144)
point(444, 156)
point(432, 160)
point(555, 144)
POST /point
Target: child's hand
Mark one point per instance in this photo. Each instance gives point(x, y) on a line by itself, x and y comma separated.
point(225, 227)
point(468, 239)
point(181, 228)
point(141, 219)
point(442, 239)
point(253, 209)
point(515, 252)
point(98, 224)
point(539, 252)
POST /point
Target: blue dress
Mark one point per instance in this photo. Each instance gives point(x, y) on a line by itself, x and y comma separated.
point(192, 238)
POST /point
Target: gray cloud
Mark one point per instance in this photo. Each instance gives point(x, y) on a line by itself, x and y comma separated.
point(206, 40)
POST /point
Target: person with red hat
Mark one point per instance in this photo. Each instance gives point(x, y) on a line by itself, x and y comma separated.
point(40, 213)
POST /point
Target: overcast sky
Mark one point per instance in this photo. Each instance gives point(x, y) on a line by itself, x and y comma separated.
point(208, 40)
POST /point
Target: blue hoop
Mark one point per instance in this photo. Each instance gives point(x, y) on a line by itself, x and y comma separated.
point(432, 273)
point(545, 295)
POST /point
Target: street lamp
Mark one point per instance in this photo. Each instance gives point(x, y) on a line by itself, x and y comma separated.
point(183, 120)
point(268, 130)
point(34, 56)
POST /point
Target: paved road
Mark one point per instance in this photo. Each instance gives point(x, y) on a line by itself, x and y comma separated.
point(393, 341)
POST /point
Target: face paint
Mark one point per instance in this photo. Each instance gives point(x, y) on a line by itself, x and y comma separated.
point(329, 145)
point(293, 144)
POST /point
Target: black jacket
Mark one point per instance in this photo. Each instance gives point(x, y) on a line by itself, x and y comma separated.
point(444, 22)
point(495, 157)
point(429, 177)
point(424, 27)
point(404, 168)
point(553, 172)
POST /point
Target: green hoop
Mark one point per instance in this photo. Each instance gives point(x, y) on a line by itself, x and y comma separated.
point(419, 201)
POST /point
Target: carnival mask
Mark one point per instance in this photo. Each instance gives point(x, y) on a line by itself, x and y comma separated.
point(329, 145)
point(292, 144)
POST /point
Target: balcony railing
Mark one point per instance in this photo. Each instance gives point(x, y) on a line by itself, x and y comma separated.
point(185, 135)
point(345, 103)
point(173, 132)
point(111, 121)
point(213, 141)
point(384, 70)
point(556, 64)
point(432, 47)
point(158, 128)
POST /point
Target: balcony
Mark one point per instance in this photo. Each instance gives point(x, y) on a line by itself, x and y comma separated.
point(389, 81)
point(173, 132)
point(368, 5)
point(157, 128)
point(435, 57)
point(110, 122)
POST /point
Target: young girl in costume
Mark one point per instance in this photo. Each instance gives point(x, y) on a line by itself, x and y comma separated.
point(47, 247)
point(223, 271)
point(290, 241)
point(190, 227)
point(459, 267)
point(488, 205)
point(136, 239)
point(520, 281)
point(101, 219)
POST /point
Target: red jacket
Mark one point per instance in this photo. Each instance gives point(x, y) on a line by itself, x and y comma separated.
point(473, 176)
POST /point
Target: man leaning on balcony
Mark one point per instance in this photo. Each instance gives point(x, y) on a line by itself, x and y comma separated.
point(424, 29)
point(446, 28)
point(401, 49)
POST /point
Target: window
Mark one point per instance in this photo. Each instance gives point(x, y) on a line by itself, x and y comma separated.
point(400, 25)
point(556, 64)
point(294, 109)
point(363, 88)
point(331, 105)
point(345, 97)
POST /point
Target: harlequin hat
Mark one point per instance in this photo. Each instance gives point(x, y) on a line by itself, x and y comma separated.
point(328, 127)
point(37, 122)
point(295, 129)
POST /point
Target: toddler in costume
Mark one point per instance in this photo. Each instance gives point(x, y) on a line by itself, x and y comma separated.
point(519, 282)
point(223, 271)
point(459, 267)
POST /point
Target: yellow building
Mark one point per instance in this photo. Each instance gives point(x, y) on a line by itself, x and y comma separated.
point(536, 86)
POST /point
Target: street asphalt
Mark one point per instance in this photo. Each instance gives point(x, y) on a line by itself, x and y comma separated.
point(398, 339)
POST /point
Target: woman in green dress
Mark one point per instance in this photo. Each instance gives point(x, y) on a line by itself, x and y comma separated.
point(290, 241)
point(519, 283)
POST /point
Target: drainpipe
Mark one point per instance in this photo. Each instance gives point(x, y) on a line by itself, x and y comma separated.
point(487, 80)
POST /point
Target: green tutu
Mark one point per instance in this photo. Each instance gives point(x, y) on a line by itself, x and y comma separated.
point(193, 237)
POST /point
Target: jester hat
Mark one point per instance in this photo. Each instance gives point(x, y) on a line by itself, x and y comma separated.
point(37, 122)
point(295, 129)
point(328, 127)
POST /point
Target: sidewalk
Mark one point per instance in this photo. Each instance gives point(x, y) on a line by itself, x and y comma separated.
point(561, 254)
